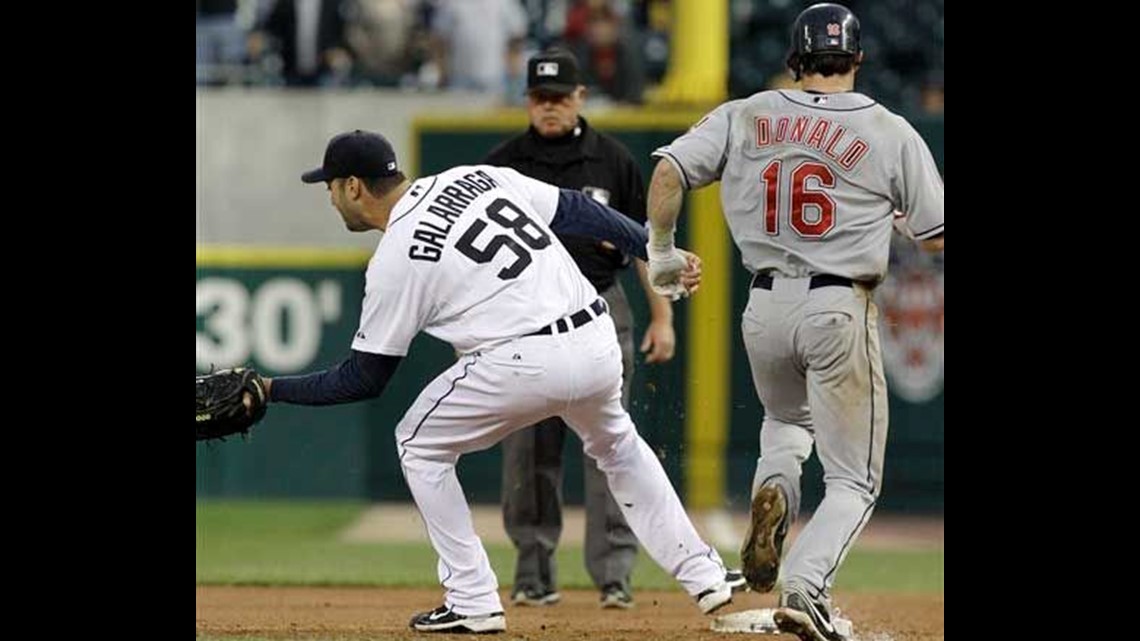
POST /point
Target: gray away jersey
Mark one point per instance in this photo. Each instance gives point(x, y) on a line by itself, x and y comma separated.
point(469, 258)
point(810, 182)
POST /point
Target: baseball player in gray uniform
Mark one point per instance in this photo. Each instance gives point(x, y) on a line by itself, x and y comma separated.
point(810, 180)
point(471, 257)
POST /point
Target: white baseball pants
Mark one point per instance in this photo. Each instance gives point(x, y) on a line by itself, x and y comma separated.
point(485, 396)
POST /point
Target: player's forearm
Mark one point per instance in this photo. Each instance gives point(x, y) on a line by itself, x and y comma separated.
point(359, 377)
point(665, 197)
point(660, 309)
point(580, 215)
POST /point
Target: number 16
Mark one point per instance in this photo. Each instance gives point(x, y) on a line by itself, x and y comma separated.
point(803, 195)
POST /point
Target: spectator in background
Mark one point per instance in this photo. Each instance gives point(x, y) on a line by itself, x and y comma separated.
point(654, 17)
point(309, 37)
point(610, 55)
point(579, 12)
point(422, 72)
point(471, 41)
point(379, 33)
point(218, 38)
point(577, 15)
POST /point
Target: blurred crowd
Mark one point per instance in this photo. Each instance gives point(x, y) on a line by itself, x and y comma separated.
point(904, 42)
point(482, 45)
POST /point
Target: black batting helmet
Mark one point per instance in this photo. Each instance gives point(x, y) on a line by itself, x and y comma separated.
point(823, 28)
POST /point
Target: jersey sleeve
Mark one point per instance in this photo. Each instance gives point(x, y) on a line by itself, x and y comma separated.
point(920, 191)
point(542, 196)
point(580, 215)
point(395, 307)
point(699, 154)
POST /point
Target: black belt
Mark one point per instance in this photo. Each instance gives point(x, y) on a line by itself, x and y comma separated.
point(764, 281)
point(577, 319)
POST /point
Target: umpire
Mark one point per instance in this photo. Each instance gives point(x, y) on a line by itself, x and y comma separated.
point(561, 148)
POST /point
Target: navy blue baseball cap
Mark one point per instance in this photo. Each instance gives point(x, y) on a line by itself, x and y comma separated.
point(355, 153)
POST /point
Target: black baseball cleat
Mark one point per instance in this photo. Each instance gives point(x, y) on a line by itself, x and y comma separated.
point(444, 619)
point(806, 618)
point(614, 596)
point(535, 597)
point(735, 580)
point(764, 543)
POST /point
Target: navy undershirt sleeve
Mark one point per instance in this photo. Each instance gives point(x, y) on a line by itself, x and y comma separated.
point(361, 376)
point(580, 215)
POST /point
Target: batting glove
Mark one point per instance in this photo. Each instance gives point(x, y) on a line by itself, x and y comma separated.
point(665, 265)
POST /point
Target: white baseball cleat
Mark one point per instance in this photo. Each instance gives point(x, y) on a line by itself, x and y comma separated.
point(714, 598)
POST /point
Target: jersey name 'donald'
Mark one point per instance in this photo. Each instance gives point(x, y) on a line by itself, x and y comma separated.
point(445, 209)
point(822, 135)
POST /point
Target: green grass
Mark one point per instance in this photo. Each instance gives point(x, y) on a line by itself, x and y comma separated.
point(292, 543)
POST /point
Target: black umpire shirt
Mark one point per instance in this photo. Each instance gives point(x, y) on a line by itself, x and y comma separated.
point(592, 162)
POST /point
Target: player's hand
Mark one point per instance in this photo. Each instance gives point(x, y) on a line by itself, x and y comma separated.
point(660, 341)
point(691, 275)
point(898, 221)
point(247, 399)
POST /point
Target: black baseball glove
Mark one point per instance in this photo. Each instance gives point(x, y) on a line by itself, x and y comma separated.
point(221, 411)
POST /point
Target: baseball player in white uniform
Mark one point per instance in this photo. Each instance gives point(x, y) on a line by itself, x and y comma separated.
point(470, 257)
point(810, 180)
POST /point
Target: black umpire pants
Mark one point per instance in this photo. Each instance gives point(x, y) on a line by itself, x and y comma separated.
point(532, 491)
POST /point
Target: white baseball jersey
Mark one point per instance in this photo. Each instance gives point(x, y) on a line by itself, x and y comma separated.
point(809, 182)
point(469, 258)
